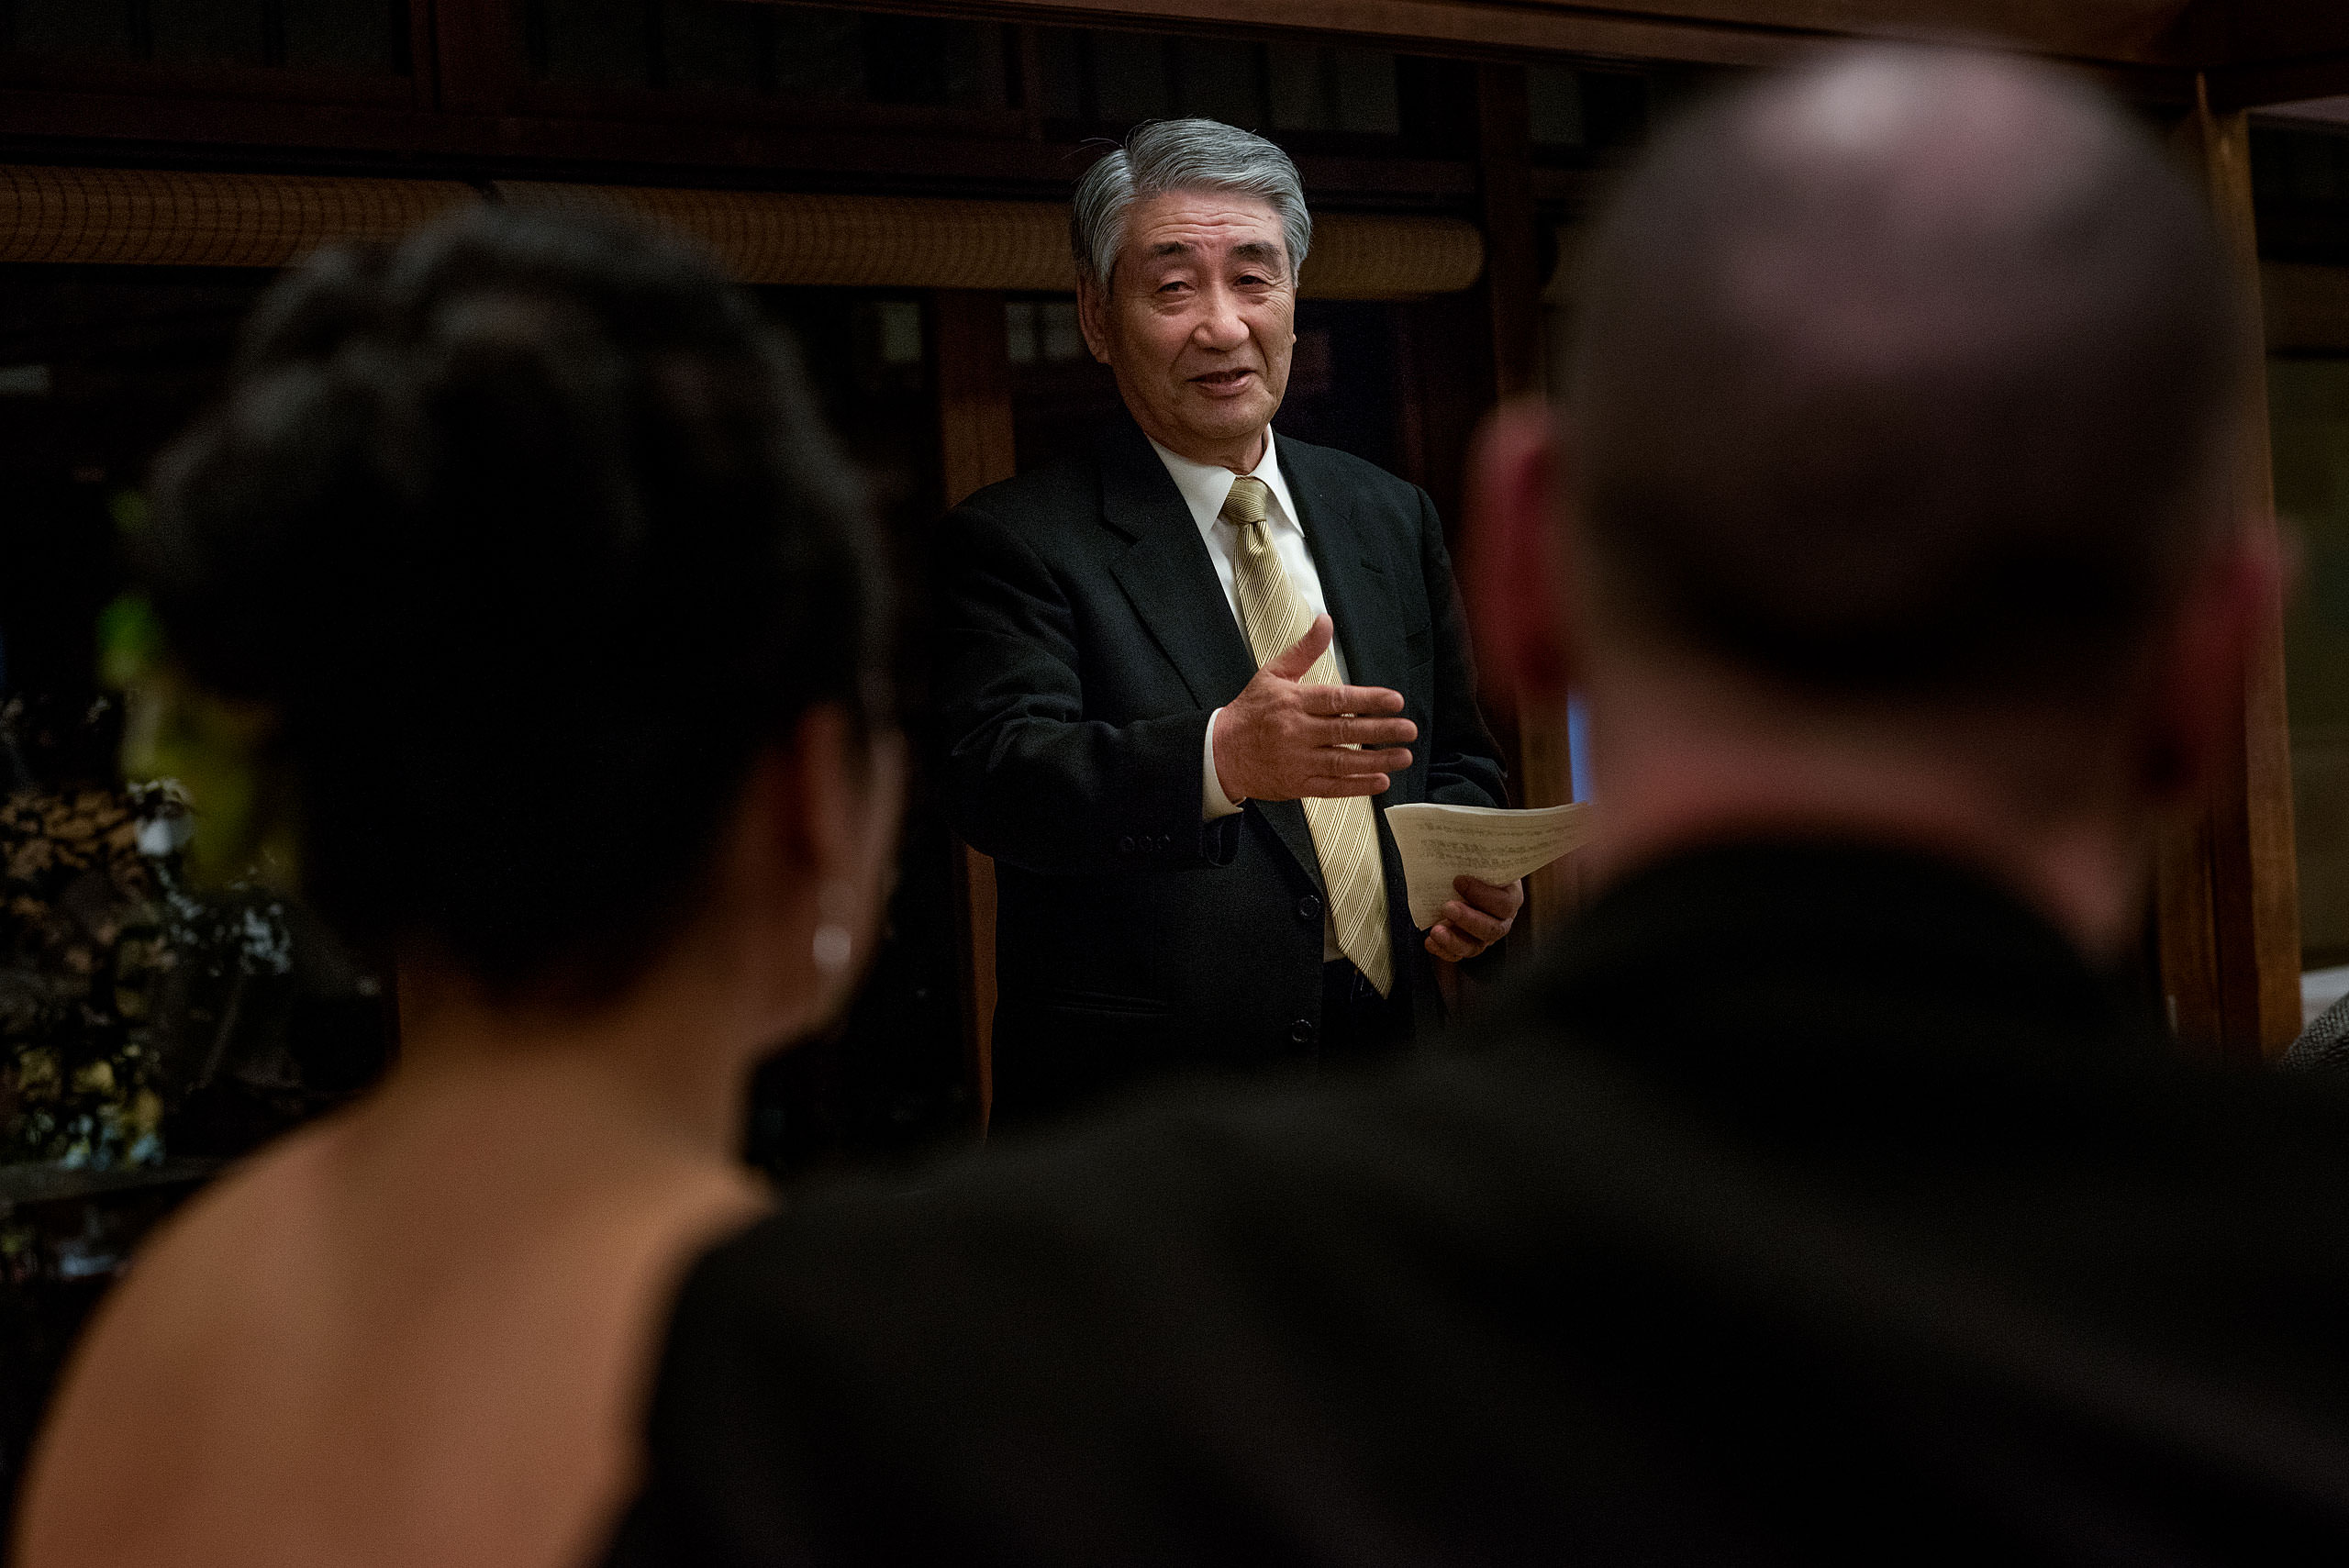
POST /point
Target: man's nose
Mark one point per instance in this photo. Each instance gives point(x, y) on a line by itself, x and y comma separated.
point(1220, 325)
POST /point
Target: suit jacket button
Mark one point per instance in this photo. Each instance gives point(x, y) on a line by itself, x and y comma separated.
point(1309, 907)
point(1301, 1031)
point(1125, 845)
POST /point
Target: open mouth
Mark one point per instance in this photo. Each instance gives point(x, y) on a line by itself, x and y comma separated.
point(1222, 380)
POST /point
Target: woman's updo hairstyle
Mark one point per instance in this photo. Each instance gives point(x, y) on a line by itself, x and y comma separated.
point(529, 533)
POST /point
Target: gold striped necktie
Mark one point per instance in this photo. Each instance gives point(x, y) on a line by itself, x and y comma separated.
point(1274, 615)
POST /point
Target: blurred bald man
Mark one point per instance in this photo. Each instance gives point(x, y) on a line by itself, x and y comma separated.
point(1829, 1198)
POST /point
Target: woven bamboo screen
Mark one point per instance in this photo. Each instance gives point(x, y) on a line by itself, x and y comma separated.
point(846, 242)
point(1360, 257)
point(173, 218)
point(916, 242)
point(156, 217)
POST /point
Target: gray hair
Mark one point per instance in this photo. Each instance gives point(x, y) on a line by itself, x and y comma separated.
point(1161, 156)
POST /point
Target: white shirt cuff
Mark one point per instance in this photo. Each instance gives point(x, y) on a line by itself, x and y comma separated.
point(1213, 801)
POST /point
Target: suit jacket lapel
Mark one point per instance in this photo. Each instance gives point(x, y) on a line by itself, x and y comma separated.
point(1353, 581)
point(1354, 586)
point(1172, 584)
point(1362, 602)
point(1166, 573)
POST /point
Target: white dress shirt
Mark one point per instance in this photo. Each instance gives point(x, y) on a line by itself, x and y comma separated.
point(1205, 487)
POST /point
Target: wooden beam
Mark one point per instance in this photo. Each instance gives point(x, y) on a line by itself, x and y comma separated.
point(140, 79)
point(2259, 84)
point(761, 147)
point(2260, 52)
point(2250, 30)
point(2228, 896)
point(974, 432)
point(2134, 37)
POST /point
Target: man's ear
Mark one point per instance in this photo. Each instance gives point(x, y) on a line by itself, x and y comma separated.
point(1517, 565)
point(2231, 611)
point(1093, 317)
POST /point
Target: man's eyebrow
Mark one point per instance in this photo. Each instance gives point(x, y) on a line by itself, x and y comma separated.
point(1246, 250)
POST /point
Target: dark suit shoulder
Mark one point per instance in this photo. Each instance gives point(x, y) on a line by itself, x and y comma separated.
point(1076, 1268)
point(1336, 468)
point(1760, 1268)
point(1016, 1363)
point(1066, 488)
point(1508, 1161)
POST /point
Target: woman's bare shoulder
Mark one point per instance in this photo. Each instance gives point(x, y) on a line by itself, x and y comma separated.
point(344, 1287)
point(210, 1314)
point(235, 1253)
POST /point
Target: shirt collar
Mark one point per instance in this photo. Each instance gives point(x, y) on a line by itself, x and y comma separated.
point(1205, 485)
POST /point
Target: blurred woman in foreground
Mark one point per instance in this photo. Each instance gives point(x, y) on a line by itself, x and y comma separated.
point(529, 537)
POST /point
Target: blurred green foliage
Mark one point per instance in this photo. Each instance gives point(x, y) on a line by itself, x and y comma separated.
point(216, 752)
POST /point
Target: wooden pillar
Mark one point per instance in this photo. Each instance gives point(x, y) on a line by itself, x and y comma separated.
point(1512, 301)
point(1512, 285)
point(2227, 898)
point(475, 62)
point(974, 432)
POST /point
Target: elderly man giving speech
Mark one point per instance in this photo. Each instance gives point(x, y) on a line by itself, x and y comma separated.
point(1181, 671)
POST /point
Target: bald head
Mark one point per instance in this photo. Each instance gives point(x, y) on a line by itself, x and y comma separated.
point(1903, 375)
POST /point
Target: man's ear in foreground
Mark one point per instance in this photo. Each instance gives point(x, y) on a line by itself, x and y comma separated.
point(1520, 560)
point(2201, 661)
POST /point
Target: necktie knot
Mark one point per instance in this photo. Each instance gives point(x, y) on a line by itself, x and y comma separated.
point(1250, 501)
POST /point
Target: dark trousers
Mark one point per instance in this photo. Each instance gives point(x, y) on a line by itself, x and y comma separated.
point(1356, 1021)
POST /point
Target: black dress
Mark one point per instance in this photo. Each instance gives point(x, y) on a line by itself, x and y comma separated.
point(1817, 1204)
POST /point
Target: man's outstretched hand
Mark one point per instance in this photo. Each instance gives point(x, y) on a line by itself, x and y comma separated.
point(1480, 917)
point(1282, 739)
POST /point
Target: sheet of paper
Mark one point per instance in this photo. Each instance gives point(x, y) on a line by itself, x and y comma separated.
point(1440, 842)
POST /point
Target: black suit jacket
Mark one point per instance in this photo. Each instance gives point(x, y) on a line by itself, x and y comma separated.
point(1819, 1206)
point(1083, 639)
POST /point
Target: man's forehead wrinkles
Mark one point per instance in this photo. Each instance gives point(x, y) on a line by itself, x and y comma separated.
point(1185, 243)
point(1200, 234)
point(1153, 218)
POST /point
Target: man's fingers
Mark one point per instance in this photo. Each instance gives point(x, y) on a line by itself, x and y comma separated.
point(1350, 699)
point(1368, 732)
point(1475, 922)
point(1291, 662)
point(1450, 945)
point(1490, 897)
point(1346, 763)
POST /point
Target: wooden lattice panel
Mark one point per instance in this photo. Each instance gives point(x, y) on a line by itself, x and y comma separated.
point(160, 218)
